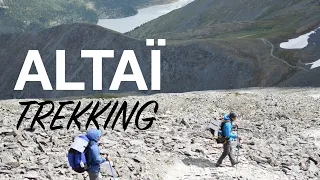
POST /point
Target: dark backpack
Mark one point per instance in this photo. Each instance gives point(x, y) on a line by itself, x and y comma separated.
point(221, 139)
point(77, 154)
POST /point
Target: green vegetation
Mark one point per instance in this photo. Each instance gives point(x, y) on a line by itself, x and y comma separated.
point(289, 55)
point(227, 19)
point(39, 14)
point(35, 15)
point(285, 76)
point(237, 94)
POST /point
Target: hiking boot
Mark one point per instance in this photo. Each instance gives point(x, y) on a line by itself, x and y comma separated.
point(218, 165)
point(234, 164)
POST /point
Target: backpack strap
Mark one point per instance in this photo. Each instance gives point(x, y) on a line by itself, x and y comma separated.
point(86, 154)
point(222, 125)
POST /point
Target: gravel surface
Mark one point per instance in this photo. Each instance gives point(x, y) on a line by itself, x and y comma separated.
point(280, 129)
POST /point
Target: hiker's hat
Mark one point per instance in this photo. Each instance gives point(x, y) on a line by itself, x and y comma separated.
point(233, 115)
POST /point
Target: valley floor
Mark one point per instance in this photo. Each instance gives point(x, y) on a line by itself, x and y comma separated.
point(279, 127)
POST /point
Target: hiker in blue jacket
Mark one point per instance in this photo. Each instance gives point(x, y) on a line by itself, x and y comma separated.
point(93, 154)
point(227, 133)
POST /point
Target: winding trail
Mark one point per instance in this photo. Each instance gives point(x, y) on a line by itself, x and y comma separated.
point(267, 42)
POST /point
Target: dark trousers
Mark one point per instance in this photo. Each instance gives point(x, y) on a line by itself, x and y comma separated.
point(94, 175)
point(227, 151)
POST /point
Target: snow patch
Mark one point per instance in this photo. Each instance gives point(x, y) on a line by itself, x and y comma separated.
point(314, 64)
point(299, 42)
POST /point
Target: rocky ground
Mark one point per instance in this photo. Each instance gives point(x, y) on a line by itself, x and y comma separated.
point(280, 130)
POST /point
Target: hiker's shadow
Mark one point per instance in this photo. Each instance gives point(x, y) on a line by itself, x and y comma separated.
point(203, 163)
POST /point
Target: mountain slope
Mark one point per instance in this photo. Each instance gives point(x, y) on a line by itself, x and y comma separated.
point(71, 38)
point(186, 67)
point(220, 18)
point(235, 25)
point(193, 65)
point(36, 15)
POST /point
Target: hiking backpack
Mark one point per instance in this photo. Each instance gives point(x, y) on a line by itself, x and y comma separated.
point(215, 129)
point(221, 139)
point(77, 154)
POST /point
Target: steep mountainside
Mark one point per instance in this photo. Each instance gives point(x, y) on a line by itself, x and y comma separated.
point(35, 15)
point(180, 70)
point(236, 25)
point(235, 60)
point(189, 66)
point(223, 18)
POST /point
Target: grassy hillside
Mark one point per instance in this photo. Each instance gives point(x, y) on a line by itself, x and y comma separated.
point(248, 31)
point(33, 15)
point(232, 18)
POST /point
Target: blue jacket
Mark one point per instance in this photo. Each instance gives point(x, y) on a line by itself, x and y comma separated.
point(227, 128)
point(93, 154)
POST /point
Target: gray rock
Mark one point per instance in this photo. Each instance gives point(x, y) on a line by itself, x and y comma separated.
point(167, 140)
point(313, 159)
point(160, 151)
point(139, 159)
point(5, 171)
point(313, 169)
point(187, 153)
point(32, 175)
point(286, 171)
point(7, 131)
point(9, 160)
point(184, 122)
point(303, 166)
point(259, 159)
point(136, 142)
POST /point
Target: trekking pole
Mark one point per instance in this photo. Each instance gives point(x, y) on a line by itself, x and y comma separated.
point(238, 152)
point(238, 144)
point(111, 170)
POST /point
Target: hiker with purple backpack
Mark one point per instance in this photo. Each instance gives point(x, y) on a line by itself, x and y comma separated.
point(84, 154)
